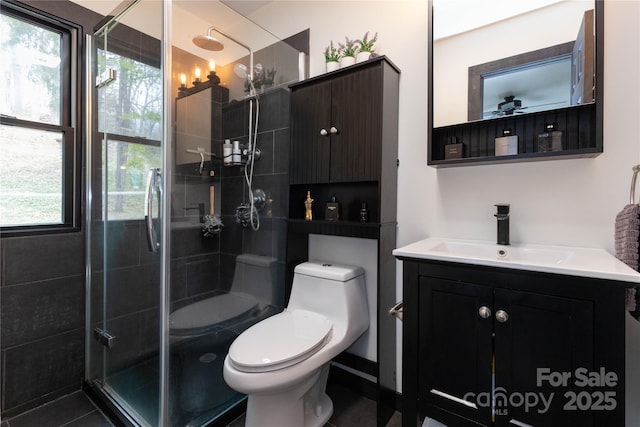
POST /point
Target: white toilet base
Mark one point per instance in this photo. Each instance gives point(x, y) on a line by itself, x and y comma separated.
point(322, 413)
point(306, 405)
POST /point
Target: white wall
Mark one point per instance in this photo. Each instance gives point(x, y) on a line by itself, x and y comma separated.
point(563, 202)
point(363, 253)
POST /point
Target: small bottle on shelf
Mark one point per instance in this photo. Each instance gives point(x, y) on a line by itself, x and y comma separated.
point(507, 144)
point(364, 213)
point(550, 139)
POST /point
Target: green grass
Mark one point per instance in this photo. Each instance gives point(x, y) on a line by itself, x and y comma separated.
point(30, 178)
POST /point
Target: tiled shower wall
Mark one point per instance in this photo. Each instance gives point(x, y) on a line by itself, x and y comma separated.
point(270, 175)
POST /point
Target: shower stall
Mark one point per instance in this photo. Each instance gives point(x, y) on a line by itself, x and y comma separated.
point(187, 175)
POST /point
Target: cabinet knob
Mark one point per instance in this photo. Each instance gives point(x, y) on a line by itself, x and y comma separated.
point(502, 316)
point(333, 130)
point(324, 132)
point(484, 312)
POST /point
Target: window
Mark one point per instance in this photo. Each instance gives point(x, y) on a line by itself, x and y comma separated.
point(129, 122)
point(39, 149)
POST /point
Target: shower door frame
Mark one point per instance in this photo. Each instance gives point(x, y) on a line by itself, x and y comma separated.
point(165, 208)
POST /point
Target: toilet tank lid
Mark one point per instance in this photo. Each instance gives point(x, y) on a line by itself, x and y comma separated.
point(329, 270)
point(258, 260)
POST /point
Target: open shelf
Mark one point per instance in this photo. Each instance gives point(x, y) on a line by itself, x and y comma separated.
point(577, 123)
point(367, 230)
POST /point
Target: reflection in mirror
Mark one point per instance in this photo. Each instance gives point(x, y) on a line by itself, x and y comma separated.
point(502, 45)
point(526, 83)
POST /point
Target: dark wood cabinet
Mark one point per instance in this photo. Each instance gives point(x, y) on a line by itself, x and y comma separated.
point(344, 143)
point(336, 127)
point(485, 346)
point(455, 344)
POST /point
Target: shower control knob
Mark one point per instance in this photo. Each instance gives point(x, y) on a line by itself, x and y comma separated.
point(484, 312)
point(324, 132)
point(333, 130)
point(502, 316)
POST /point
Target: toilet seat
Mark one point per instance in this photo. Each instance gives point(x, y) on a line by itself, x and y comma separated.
point(280, 341)
point(219, 310)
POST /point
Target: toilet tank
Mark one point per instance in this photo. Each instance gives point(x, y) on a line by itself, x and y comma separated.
point(258, 276)
point(333, 290)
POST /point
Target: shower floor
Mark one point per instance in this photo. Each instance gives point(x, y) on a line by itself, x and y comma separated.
point(197, 391)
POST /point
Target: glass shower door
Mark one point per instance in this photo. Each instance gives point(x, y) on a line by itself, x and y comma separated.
point(125, 157)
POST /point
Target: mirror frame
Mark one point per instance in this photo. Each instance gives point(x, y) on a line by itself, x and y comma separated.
point(595, 119)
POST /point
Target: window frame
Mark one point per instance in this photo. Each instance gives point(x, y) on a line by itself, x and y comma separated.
point(69, 127)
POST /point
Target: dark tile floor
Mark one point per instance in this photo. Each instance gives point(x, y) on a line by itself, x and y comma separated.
point(76, 410)
point(73, 410)
point(349, 410)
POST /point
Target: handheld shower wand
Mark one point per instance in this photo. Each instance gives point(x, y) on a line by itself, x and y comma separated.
point(211, 43)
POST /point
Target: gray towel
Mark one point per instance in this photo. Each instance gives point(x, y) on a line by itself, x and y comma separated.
point(627, 236)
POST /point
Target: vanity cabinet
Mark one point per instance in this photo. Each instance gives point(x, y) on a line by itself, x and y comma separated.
point(344, 143)
point(483, 346)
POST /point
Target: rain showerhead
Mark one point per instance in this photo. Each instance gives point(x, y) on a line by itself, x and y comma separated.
point(211, 43)
point(208, 42)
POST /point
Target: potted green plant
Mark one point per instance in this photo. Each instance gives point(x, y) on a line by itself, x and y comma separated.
point(269, 77)
point(348, 52)
point(332, 57)
point(365, 48)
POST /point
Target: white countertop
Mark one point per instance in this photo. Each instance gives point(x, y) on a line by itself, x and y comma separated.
point(573, 261)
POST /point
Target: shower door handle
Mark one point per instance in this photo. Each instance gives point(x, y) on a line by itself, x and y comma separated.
point(153, 184)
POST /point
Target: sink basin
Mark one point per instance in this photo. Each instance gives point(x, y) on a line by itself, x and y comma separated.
point(503, 253)
point(575, 261)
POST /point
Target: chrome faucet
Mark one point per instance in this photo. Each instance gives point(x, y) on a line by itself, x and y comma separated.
point(503, 223)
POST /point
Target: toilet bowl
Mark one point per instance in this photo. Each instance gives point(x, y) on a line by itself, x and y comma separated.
point(282, 362)
point(252, 292)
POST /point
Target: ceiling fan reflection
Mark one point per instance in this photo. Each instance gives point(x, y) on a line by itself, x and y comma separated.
point(511, 106)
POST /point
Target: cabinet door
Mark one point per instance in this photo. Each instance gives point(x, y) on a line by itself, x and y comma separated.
point(455, 351)
point(540, 332)
point(356, 115)
point(310, 150)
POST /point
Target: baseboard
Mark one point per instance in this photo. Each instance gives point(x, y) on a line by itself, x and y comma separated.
point(353, 382)
point(358, 363)
point(360, 385)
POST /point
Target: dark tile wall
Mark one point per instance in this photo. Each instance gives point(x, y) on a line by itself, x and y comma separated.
point(42, 319)
point(270, 175)
point(195, 269)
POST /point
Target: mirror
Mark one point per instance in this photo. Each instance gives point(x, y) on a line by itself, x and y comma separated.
point(498, 58)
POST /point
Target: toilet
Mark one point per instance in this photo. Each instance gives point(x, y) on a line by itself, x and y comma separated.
point(252, 293)
point(282, 362)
